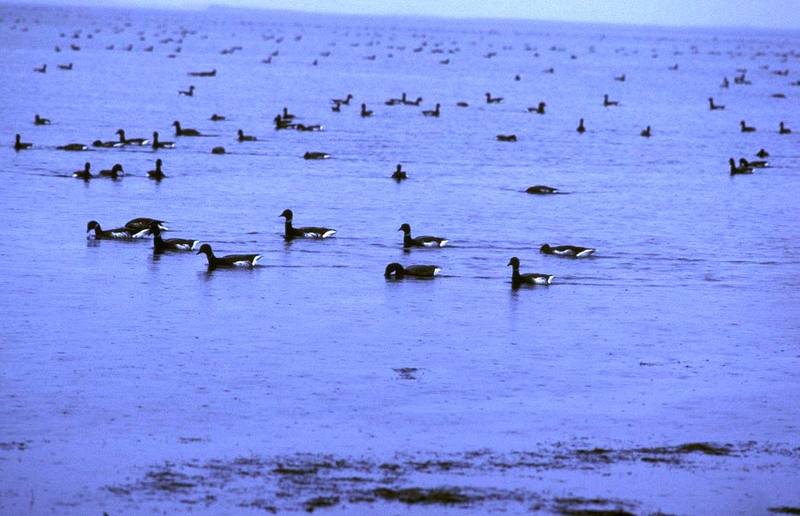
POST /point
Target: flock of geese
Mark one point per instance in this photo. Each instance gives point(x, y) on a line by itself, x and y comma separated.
point(142, 227)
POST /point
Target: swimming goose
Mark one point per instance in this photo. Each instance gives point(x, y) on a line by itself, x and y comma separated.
point(291, 232)
point(157, 173)
point(212, 73)
point(110, 234)
point(20, 145)
point(141, 225)
point(541, 190)
point(753, 164)
point(308, 128)
point(432, 112)
point(114, 173)
point(37, 120)
point(345, 101)
point(415, 102)
point(782, 129)
point(539, 109)
point(171, 244)
point(646, 132)
point(244, 137)
point(280, 123)
point(493, 100)
point(746, 128)
point(84, 174)
point(216, 118)
point(462, 104)
point(188, 93)
point(725, 83)
point(506, 137)
point(607, 103)
point(41, 69)
point(160, 145)
point(65, 67)
point(399, 174)
point(415, 271)
point(549, 70)
point(316, 155)
point(337, 107)
point(131, 141)
point(73, 147)
point(180, 131)
point(421, 241)
point(394, 102)
point(571, 251)
point(530, 278)
point(107, 144)
point(714, 107)
point(739, 170)
point(762, 153)
point(581, 129)
point(364, 111)
point(621, 78)
point(218, 150)
point(229, 261)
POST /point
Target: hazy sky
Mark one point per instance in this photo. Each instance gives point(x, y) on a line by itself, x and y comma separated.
point(740, 13)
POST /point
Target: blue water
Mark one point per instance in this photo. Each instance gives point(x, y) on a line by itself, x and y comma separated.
point(683, 327)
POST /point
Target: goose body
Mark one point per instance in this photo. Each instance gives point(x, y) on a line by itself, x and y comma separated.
point(714, 107)
point(432, 112)
point(415, 271)
point(130, 141)
point(212, 73)
point(740, 169)
point(399, 173)
point(782, 129)
point(646, 133)
point(115, 171)
point(541, 189)
point(345, 101)
point(291, 232)
point(73, 147)
point(506, 137)
point(308, 128)
point(609, 103)
point(156, 173)
point(156, 144)
point(745, 128)
point(216, 118)
point(230, 261)
point(530, 278)
point(84, 174)
point(98, 233)
point(37, 120)
point(244, 137)
point(180, 131)
point(316, 155)
point(570, 251)
point(365, 112)
point(420, 241)
point(107, 144)
point(187, 93)
point(753, 164)
point(161, 245)
point(20, 145)
point(218, 150)
point(415, 102)
point(493, 100)
point(141, 225)
point(762, 153)
point(538, 109)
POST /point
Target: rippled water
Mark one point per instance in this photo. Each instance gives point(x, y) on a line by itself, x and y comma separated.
point(683, 327)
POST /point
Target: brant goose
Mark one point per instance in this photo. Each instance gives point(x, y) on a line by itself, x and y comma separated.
point(316, 155)
point(107, 144)
point(37, 120)
point(530, 278)
point(73, 147)
point(762, 153)
point(746, 128)
point(84, 174)
point(42, 69)
point(142, 225)
point(541, 190)
point(434, 112)
point(188, 93)
point(413, 102)
point(782, 129)
point(539, 109)
point(753, 164)
point(65, 66)
point(131, 141)
point(345, 101)
point(216, 118)
point(218, 150)
point(621, 78)
point(112, 234)
point(229, 261)
point(308, 128)
point(581, 129)
point(157, 173)
point(291, 232)
point(115, 172)
point(415, 271)
point(570, 251)
point(364, 111)
point(171, 244)
point(493, 100)
point(399, 174)
point(607, 103)
point(244, 137)
point(646, 133)
point(337, 107)
point(421, 241)
point(714, 107)
point(161, 145)
point(461, 103)
point(739, 170)
point(180, 131)
point(212, 73)
point(20, 145)
point(506, 137)
point(725, 83)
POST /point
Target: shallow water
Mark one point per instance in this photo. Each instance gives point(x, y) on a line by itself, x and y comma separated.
point(683, 327)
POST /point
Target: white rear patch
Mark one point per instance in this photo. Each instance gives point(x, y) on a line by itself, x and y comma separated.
point(329, 233)
point(585, 253)
point(436, 271)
